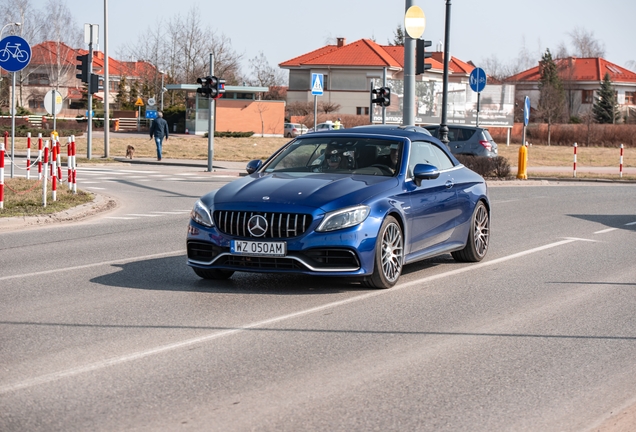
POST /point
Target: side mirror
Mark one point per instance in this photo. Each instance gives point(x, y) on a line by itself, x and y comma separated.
point(424, 172)
point(253, 166)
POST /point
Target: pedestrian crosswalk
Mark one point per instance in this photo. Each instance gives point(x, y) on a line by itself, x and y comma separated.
point(98, 178)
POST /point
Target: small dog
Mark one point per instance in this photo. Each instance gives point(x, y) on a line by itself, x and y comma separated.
point(130, 151)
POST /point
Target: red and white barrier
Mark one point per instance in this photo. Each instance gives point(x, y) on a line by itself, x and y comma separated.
point(58, 152)
point(28, 161)
point(73, 165)
point(45, 176)
point(574, 174)
point(621, 163)
point(39, 156)
point(53, 171)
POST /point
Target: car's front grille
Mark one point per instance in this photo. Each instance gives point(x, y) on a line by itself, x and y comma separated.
point(279, 225)
point(265, 263)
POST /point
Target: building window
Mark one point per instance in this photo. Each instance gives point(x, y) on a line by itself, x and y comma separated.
point(630, 98)
point(36, 104)
point(362, 110)
point(588, 97)
point(39, 79)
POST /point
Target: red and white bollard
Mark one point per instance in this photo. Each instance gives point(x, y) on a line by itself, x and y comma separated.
point(28, 161)
point(621, 163)
point(1, 175)
point(69, 164)
point(46, 175)
point(53, 171)
point(74, 164)
point(574, 174)
point(58, 153)
point(40, 156)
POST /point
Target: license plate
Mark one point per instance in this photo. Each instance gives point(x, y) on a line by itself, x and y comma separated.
point(258, 248)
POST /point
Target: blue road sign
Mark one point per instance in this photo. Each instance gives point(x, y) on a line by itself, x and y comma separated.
point(151, 114)
point(526, 111)
point(317, 84)
point(15, 53)
point(477, 80)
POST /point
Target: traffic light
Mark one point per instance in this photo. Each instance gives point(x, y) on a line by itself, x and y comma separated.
point(83, 66)
point(421, 55)
point(385, 96)
point(211, 86)
point(381, 96)
point(94, 86)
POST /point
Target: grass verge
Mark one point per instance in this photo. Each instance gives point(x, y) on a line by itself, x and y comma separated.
point(23, 197)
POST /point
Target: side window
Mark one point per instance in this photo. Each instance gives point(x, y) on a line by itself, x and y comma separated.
point(426, 153)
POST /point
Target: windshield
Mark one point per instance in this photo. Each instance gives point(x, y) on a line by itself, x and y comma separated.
point(346, 155)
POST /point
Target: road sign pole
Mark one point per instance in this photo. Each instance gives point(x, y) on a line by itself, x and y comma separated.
point(12, 120)
point(478, 99)
point(53, 110)
point(383, 107)
point(315, 112)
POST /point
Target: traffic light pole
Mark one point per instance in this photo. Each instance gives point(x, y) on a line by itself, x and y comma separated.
point(89, 133)
point(383, 106)
point(409, 76)
point(211, 105)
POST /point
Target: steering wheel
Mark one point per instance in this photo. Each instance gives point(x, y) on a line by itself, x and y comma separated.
point(385, 169)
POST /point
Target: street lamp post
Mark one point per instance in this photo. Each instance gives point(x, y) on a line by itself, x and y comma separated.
point(443, 128)
point(17, 24)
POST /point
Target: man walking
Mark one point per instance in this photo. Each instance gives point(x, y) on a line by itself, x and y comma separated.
point(159, 130)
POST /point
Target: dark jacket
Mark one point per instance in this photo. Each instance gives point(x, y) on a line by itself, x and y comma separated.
point(159, 128)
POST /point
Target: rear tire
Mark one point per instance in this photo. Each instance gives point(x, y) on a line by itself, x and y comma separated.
point(478, 236)
point(213, 274)
point(389, 255)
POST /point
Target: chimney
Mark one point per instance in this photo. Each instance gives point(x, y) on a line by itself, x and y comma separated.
point(99, 54)
point(341, 42)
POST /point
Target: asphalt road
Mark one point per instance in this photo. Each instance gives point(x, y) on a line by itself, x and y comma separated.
point(103, 327)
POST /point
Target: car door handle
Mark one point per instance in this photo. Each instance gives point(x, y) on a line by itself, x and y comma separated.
point(449, 184)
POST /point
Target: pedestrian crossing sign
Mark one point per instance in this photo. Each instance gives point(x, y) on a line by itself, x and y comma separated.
point(317, 84)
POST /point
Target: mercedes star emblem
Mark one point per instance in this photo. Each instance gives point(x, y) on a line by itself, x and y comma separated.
point(257, 226)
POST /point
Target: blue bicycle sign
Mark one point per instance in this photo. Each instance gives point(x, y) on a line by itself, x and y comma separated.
point(15, 53)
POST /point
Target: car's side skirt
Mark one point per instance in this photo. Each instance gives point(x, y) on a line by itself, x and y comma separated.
point(433, 251)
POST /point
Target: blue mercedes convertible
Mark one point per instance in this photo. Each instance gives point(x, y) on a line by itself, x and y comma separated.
point(360, 202)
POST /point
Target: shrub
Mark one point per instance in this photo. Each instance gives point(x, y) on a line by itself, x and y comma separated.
point(486, 167)
point(230, 134)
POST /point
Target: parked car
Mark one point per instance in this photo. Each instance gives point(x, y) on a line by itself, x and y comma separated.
point(326, 126)
point(360, 202)
point(292, 130)
point(468, 140)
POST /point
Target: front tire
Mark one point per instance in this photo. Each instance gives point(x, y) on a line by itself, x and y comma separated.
point(213, 274)
point(389, 255)
point(478, 236)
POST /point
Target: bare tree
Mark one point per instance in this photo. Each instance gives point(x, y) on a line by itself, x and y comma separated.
point(584, 43)
point(328, 107)
point(265, 75)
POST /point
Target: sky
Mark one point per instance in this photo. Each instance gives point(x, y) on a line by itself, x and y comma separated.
point(284, 29)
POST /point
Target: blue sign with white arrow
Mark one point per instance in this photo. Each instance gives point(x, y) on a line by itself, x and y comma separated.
point(317, 84)
point(15, 53)
point(526, 111)
point(477, 80)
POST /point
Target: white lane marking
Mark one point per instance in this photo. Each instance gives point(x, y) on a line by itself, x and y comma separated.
point(94, 187)
point(120, 218)
point(631, 223)
point(97, 264)
point(42, 379)
point(143, 215)
point(178, 212)
point(605, 230)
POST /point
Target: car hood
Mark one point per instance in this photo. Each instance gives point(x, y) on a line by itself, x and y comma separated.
point(326, 191)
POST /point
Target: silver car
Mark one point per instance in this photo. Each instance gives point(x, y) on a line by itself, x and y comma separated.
point(321, 127)
point(467, 140)
point(292, 130)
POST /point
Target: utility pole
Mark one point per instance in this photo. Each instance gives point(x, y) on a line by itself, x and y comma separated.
point(90, 36)
point(409, 76)
point(211, 105)
point(443, 128)
point(106, 85)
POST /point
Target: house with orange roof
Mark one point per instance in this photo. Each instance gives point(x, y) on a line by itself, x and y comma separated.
point(581, 79)
point(350, 70)
point(53, 66)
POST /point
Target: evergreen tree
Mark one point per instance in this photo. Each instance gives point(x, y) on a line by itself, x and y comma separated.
point(552, 96)
point(398, 36)
point(123, 98)
point(605, 107)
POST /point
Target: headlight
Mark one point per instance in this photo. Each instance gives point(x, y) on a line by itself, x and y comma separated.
point(344, 218)
point(200, 214)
